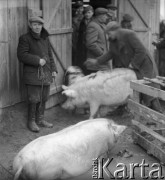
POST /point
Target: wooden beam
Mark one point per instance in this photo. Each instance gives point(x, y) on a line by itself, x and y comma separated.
point(34, 12)
point(57, 56)
point(149, 131)
point(151, 148)
point(55, 89)
point(145, 23)
point(53, 14)
point(60, 31)
point(141, 110)
point(146, 89)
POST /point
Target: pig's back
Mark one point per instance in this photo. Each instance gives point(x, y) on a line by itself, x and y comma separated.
point(77, 135)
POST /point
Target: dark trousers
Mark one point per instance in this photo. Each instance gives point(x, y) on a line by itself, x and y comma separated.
point(37, 93)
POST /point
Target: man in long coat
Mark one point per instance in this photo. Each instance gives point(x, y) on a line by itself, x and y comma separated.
point(81, 43)
point(39, 67)
point(96, 41)
point(128, 51)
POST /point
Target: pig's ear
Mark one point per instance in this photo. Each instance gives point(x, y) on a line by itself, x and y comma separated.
point(70, 93)
point(118, 129)
point(64, 87)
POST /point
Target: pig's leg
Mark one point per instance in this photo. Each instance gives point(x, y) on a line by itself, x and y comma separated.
point(93, 109)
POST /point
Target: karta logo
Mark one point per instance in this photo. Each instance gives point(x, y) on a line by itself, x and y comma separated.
point(101, 166)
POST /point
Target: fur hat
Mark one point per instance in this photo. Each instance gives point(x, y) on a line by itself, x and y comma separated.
point(36, 19)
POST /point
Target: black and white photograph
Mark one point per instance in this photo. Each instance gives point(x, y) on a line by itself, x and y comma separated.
point(82, 89)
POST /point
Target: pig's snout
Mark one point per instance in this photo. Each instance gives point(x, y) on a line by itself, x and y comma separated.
point(67, 105)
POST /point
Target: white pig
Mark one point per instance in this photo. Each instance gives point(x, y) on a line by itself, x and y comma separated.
point(67, 153)
point(110, 88)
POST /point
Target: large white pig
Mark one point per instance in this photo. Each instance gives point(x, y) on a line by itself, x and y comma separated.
point(67, 153)
point(110, 88)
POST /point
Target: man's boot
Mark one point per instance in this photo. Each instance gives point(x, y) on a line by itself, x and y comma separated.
point(32, 117)
point(40, 116)
point(155, 105)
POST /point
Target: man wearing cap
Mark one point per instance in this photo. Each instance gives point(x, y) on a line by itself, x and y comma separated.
point(39, 68)
point(127, 51)
point(96, 41)
point(126, 22)
point(111, 12)
point(81, 44)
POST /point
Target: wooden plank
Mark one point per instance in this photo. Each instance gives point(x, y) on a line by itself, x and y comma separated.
point(148, 130)
point(151, 148)
point(151, 91)
point(155, 81)
point(60, 31)
point(34, 12)
point(4, 80)
point(53, 14)
point(3, 21)
point(55, 89)
point(138, 13)
point(136, 96)
point(141, 110)
point(54, 99)
point(34, 4)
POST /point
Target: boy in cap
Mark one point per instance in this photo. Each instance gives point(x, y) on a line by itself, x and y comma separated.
point(127, 51)
point(81, 44)
point(39, 68)
point(96, 41)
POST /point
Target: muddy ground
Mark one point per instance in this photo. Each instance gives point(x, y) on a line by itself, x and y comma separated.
point(14, 135)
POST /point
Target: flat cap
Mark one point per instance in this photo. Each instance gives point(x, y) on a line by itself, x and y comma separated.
point(128, 17)
point(88, 8)
point(36, 19)
point(111, 6)
point(112, 26)
point(100, 11)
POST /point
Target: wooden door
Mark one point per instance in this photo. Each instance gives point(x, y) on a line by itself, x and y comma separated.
point(12, 25)
point(146, 15)
point(57, 15)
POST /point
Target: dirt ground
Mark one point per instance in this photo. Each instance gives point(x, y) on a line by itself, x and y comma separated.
point(14, 136)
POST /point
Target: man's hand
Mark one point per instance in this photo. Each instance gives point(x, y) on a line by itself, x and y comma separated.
point(130, 66)
point(54, 74)
point(42, 62)
point(91, 63)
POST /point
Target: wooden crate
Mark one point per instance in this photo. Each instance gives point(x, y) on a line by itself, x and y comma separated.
point(148, 125)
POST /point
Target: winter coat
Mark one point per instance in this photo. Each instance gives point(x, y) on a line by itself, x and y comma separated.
point(96, 41)
point(81, 44)
point(128, 49)
point(31, 49)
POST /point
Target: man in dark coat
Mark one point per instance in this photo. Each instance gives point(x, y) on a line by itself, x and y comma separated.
point(96, 40)
point(39, 67)
point(128, 51)
point(81, 43)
